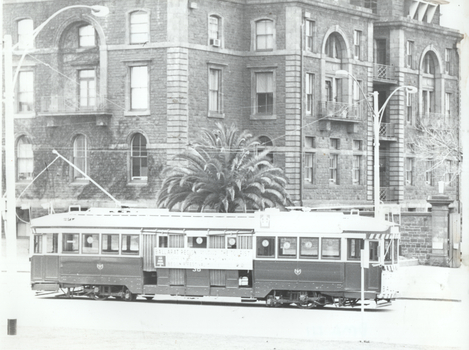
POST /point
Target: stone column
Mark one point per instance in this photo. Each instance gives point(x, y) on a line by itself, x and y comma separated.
point(440, 225)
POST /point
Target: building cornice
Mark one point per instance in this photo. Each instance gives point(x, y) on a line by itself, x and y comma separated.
point(423, 27)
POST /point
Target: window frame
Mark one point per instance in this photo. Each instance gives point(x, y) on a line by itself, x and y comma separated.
point(257, 35)
point(409, 169)
point(28, 92)
point(333, 168)
point(109, 244)
point(357, 44)
point(82, 158)
point(324, 245)
point(429, 172)
point(281, 242)
point(410, 45)
point(75, 240)
point(300, 246)
point(140, 158)
point(255, 94)
point(90, 84)
point(19, 158)
point(128, 242)
point(87, 247)
point(218, 113)
point(136, 90)
point(448, 61)
point(309, 91)
point(271, 243)
point(83, 39)
point(357, 252)
point(309, 167)
point(132, 33)
point(310, 33)
point(356, 169)
point(212, 38)
point(24, 34)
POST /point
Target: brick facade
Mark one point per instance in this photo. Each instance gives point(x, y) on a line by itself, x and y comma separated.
point(179, 56)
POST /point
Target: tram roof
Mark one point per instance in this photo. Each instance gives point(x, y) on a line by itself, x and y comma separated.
point(268, 221)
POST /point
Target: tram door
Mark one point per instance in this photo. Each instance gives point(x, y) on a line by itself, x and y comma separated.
point(45, 267)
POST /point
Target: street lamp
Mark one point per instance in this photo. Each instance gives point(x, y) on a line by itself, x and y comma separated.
point(377, 117)
point(10, 176)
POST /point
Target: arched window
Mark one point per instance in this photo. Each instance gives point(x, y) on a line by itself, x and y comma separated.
point(265, 142)
point(139, 27)
point(138, 158)
point(333, 46)
point(24, 159)
point(25, 33)
point(428, 64)
point(265, 34)
point(80, 157)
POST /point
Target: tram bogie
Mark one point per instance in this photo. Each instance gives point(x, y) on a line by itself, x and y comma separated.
point(309, 260)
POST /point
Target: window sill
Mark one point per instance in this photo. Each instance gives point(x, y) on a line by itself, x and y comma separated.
point(263, 116)
point(136, 113)
point(27, 115)
point(216, 115)
point(137, 183)
point(23, 182)
point(80, 182)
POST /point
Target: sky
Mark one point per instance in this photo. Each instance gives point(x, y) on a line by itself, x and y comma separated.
point(455, 14)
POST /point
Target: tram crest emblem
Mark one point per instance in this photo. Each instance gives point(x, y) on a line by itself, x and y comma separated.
point(100, 266)
point(297, 272)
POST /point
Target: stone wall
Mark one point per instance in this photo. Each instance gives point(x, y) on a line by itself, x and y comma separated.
point(416, 235)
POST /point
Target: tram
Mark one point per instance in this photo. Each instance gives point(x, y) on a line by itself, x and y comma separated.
point(307, 259)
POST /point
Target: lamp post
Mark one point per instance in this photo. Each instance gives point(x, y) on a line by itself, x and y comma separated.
point(377, 117)
point(10, 176)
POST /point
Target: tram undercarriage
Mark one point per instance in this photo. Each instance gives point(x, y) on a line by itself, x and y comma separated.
point(98, 292)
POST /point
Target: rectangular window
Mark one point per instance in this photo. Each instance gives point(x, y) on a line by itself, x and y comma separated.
point(449, 172)
point(309, 248)
point(309, 167)
point(37, 244)
point(448, 60)
point(357, 86)
point(25, 92)
point(447, 106)
point(428, 99)
point(409, 108)
point(52, 243)
point(372, 4)
point(264, 35)
point(354, 247)
point(357, 38)
point(409, 171)
point(70, 242)
point(214, 94)
point(335, 143)
point(213, 29)
point(25, 33)
point(409, 53)
point(333, 161)
point(217, 242)
point(330, 248)
point(357, 163)
point(176, 241)
point(130, 244)
point(86, 36)
point(429, 166)
point(139, 27)
point(287, 247)
point(266, 247)
point(197, 242)
point(87, 86)
point(163, 241)
point(90, 244)
point(110, 244)
point(244, 242)
point(374, 251)
point(309, 93)
point(310, 142)
point(139, 88)
point(357, 145)
point(310, 29)
point(265, 93)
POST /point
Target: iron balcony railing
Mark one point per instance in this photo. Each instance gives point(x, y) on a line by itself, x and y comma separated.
point(340, 110)
point(387, 130)
point(72, 104)
point(386, 194)
point(383, 72)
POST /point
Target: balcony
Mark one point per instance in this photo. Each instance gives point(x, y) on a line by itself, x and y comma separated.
point(438, 121)
point(383, 73)
point(387, 132)
point(338, 111)
point(56, 107)
point(386, 194)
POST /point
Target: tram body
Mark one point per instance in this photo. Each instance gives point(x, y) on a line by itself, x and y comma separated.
point(309, 259)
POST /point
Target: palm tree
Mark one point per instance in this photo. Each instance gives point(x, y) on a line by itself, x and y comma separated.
point(223, 172)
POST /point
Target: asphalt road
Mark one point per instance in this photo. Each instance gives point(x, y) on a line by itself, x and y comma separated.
point(47, 322)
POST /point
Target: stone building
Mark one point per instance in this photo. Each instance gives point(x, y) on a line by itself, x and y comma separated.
point(119, 96)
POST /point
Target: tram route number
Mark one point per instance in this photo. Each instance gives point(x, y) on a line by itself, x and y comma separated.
point(196, 270)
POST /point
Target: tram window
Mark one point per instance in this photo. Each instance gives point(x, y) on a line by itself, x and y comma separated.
point(374, 250)
point(176, 241)
point(266, 247)
point(231, 242)
point(287, 247)
point(90, 244)
point(244, 242)
point(387, 250)
point(70, 243)
point(197, 242)
point(110, 243)
point(163, 241)
point(309, 248)
point(354, 248)
point(129, 244)
point(217, 242)
point(330, 248)
point(52, 243)
point(37, 244)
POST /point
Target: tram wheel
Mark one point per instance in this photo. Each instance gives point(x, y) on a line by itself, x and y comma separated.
point(270, 301)
point(127, 295)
